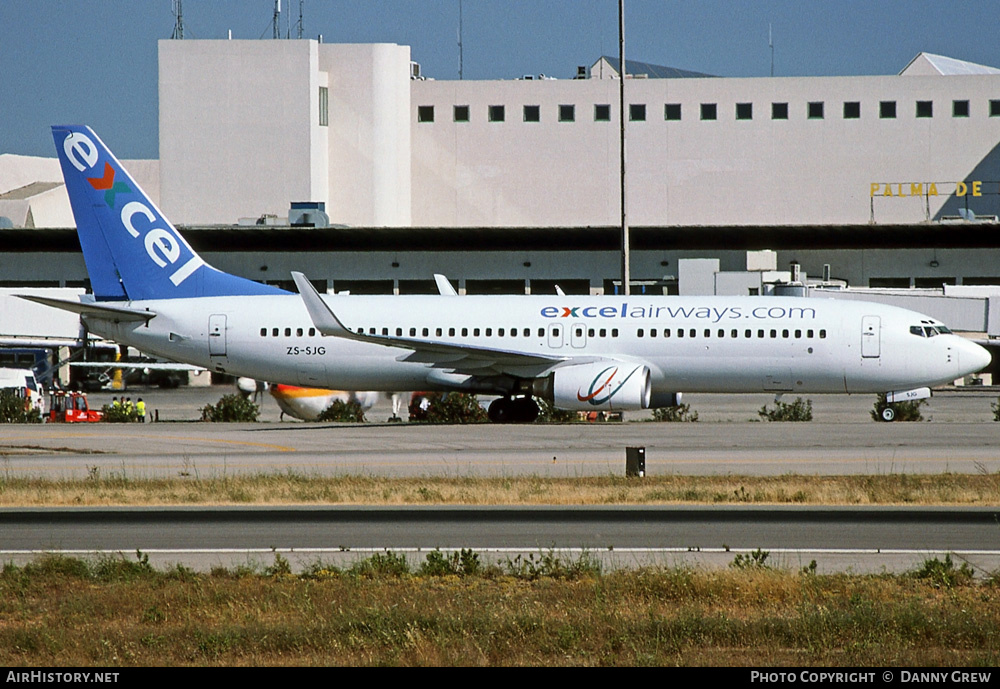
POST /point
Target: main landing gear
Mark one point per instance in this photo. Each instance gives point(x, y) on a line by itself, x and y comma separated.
point(513, 410)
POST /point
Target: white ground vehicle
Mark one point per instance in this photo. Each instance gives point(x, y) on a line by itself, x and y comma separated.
point(22, 381)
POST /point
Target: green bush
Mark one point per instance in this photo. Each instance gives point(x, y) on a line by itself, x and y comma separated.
point(12, 409)
point(548, 413)
point(944, 574)
point(447, 407)
point(681, 412)
point(798, 410)
point(350, 412)
point(463, 563)
point(233, 407)
point(905, 411)
point(378, 565)
point(755, 560)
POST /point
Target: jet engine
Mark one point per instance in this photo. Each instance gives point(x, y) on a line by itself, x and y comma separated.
point(601, 386)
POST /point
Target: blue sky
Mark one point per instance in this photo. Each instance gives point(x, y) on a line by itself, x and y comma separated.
point(69, 61)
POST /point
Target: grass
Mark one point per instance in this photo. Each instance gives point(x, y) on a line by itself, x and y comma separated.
point(67, 612)
point(455, 610)
point(117, 489)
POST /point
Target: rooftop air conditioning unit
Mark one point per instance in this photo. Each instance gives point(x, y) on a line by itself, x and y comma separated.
point(415, 70)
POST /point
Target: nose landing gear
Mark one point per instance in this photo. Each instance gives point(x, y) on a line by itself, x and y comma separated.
point(513, 410)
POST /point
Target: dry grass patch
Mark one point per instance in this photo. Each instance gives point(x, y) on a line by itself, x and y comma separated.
point(62, 612)
point(289, 488)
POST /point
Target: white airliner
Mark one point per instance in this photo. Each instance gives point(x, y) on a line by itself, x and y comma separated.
point(152, 291)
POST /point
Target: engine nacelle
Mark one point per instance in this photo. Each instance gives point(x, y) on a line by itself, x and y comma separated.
point(665, 399)
point(605, 386)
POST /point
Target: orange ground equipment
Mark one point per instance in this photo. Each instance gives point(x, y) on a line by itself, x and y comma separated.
point(71, 407)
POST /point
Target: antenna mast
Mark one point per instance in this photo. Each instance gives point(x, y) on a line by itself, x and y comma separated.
point(770, 44)
point(460, 56)
point(276, 21)
point(178, 12)
point(299, 25)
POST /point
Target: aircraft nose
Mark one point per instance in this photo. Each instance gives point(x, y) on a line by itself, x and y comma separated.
point(973, 357)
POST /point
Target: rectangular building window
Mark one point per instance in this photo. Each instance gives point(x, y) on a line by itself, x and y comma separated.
point(744, 111)
point(497, 113)
point(852, 110)
point(602, 113)
point(532, 113)
point(637, 112)
point(887, 109)
point(779, 111)
point(425, 113)
point(960, 108)
point(995, 108)
point(672, 111)
point(324, 106)
point(709, 111)
point(461, 113)
point(925, 108)
point(567, 113)
point(933, 283)
point(814, 110)
point(900, 283)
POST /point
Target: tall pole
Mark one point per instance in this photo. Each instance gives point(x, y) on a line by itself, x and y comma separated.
point(626, 275)
point(460, 57)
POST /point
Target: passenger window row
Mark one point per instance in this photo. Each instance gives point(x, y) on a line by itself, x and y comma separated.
point(277, 332)
point(591, 332)
point(734, 333)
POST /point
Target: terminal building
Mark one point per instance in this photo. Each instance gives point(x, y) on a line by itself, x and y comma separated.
point(344, 161)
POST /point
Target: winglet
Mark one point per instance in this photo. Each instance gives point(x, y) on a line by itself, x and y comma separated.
point(322, 317)
point(445, 288)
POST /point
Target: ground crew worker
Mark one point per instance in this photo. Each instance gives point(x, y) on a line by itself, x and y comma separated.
point(140, 407)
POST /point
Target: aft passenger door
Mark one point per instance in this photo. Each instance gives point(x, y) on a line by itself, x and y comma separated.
point(578, 335)
point(871, 337)
point(217, 335)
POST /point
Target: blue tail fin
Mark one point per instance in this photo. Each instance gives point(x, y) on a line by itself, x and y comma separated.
point(131, 251)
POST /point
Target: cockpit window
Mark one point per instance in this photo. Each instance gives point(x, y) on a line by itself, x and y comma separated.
point(943, 330)
point(917, 330)
point(931, 332)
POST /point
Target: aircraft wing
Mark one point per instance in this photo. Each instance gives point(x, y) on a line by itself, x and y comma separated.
point(461, 358)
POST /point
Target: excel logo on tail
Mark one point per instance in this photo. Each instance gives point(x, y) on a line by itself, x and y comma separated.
point(162, 245)
point(602, 387)
point(107, 182)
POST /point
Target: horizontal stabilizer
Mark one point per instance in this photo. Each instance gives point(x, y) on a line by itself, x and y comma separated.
point(116, 314)
point(137, 365)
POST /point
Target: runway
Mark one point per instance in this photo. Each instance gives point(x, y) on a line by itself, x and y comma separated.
point(842, 439)
point(839, 539)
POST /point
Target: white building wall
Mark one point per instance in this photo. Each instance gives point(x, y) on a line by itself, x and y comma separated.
point(369, 133)
point(238, 124)
point(690, 172)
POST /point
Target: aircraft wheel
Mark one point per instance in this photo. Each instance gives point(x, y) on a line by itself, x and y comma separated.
point(500, 410)
point(888, 414)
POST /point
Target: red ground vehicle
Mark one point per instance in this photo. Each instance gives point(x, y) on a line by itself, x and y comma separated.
point(71, 407)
